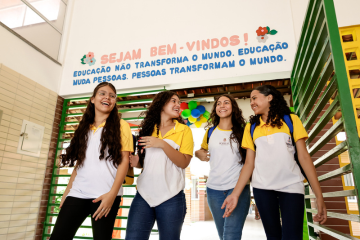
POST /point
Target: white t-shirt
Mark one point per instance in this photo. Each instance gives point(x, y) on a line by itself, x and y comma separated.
point(161, 179)
point(96, 176)
point(275, 166)
point(224, 161)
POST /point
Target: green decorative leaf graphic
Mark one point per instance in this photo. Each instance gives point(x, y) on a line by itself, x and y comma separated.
point(82, 60)
point(268, 29)
point(273, 32)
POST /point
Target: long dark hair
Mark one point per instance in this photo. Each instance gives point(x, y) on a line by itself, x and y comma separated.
point(153, 118)
point(237, 121)
point(278, 107)
point(110, 136)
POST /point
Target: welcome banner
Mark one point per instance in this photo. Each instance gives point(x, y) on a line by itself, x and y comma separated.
point(136, 44)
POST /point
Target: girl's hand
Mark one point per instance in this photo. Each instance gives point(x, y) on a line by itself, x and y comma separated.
point(321, 216)
point(151, 142)
point(134, 160)
point(203, 155)
point(230, 204)
point(107, 201)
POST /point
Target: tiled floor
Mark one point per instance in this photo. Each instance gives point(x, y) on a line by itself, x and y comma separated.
point(253, 230)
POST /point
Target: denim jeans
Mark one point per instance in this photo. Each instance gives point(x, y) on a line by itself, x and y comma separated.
point(291, 206)
point(169, 217)
point(229, 228)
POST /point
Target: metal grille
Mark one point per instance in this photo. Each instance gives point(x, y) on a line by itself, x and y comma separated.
point(72, 112)
point(320, 87)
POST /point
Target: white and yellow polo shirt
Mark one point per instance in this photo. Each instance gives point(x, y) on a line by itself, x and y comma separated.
point(96, 176)
point(275, 166)
point(224, 161)
point(161, 179)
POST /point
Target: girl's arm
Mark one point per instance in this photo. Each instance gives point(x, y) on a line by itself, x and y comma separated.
point(309, 168)
point(246, 172)
point(179, 159)
point(69, 186)
point(203, 155)
point(108, 198)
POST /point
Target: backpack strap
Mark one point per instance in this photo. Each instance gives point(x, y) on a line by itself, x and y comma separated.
point(134, 144)
point(289, 123)
point(287, 119)
point(252, 129)
point(209, 133)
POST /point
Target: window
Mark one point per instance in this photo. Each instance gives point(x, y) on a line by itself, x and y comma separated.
point(34, 19)
point(194, 189)
point(349, 182)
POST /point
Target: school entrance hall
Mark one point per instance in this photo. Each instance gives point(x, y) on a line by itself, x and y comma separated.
point(191, 120)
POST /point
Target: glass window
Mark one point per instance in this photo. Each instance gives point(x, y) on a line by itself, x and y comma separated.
point(349, 180)
point(23, 20)
point(194, 189)
point(53, 10)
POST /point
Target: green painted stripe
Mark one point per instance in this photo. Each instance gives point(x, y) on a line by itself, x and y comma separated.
point(339, 149)
point(324, 99)
point(324, 120)
point(331, 133)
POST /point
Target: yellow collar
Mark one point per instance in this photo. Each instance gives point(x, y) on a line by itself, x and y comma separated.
point(178, 128)
point(262, 123)
point(94, 129)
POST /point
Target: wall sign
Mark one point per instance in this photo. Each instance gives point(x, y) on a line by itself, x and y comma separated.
point(164, 46)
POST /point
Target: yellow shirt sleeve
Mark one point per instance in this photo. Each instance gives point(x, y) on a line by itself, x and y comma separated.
point(126, 137)
point(247, 141)
point(299, 130)
point(187, 142)
point(204, 144)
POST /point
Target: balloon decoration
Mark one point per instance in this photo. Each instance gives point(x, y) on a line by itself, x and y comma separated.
point(192, 105)
point(194, 113)
point(183, 106)
point(186, 113)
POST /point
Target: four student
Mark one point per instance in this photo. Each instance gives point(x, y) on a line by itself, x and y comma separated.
point(269, 150)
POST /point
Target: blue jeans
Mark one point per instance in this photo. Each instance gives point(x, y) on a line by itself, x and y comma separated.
point(291, 206)
point(169, 216)
point(229, 228)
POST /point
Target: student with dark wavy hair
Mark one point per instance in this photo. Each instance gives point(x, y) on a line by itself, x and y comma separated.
point(165, 150)
point(223, 150)
point(277, 159)
point(99, 151)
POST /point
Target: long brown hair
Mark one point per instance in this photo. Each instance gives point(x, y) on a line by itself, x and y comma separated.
point(153, 118)
point(237, 121)
point(110, 136)
point(278, 107)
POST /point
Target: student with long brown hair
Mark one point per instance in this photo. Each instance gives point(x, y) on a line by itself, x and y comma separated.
point(222, 148)
point(166, 148)
point(99, 151)
point(277, 162)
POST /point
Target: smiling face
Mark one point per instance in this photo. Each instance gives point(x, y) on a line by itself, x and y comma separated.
point(172, 108)
point(223, 107)
point(104, 100)
point(260, 103)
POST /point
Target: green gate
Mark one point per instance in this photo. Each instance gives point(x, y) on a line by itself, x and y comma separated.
point(71, 116)
point(320, 86)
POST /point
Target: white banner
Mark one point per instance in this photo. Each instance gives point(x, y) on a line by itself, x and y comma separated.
point(135, 44)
